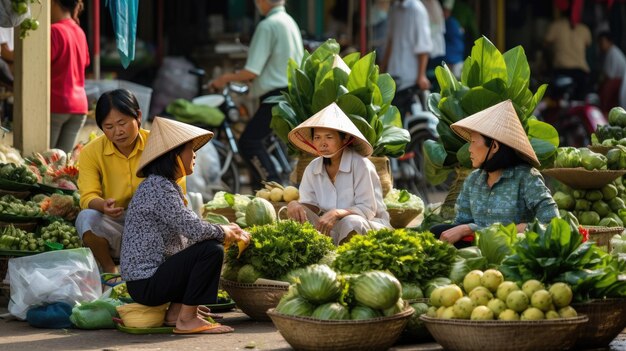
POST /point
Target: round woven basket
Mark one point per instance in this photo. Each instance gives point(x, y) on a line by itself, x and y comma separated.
point(305, 333)
point(602, 235)
point(607, 318)
point(400, 218)
point(580, 178)
point(465, 335)
point(601, 149)
point(254, 299)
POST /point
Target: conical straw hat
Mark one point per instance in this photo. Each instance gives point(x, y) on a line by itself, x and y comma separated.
point(331, 117)
point(498, 122)
point(167, 134)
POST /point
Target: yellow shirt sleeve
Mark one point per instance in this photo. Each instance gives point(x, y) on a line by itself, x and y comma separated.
point(106, 173)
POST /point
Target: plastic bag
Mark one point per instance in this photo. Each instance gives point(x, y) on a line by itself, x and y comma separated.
point(205, 178)
point(55, 276)
point(124, 17)
point(95, 315)
point(54, 316)
point(8, 17)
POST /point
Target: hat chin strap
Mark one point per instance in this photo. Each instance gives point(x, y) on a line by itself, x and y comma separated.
point(309, 144)
point(182, 169)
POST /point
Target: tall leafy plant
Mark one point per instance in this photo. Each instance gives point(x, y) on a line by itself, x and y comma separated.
point(488, 77)
point(354, 83)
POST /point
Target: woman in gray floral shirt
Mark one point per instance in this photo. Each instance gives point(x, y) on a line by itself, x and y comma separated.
point(505, 188)
point(168, 253)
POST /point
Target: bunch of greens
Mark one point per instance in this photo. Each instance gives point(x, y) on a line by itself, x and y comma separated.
point(275, 249)
point(558, 254)
point(488, 78)
point(354, 84)
point(410, 256)
point(495, 242)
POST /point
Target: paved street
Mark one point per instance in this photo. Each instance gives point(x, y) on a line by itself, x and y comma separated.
point(15, 335)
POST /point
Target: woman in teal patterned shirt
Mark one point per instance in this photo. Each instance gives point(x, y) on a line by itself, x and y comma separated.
point(505, 187)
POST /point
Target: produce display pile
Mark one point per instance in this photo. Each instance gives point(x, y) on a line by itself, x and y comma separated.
point(58, 232)
point(614, 133)
point(596, 207)
point(322, 294)
point(17, 173)
point(11, 205)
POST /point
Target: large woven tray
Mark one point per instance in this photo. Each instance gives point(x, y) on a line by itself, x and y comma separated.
point(580, 178)
point(400, 218)
point(305, 333)
point(254, 299)
point(607, 318)
point(465, 335)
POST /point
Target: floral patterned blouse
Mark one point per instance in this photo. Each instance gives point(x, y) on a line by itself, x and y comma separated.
point(158, 225)
point(519, 196)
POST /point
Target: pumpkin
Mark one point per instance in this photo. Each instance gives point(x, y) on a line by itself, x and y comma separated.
point(259, 212)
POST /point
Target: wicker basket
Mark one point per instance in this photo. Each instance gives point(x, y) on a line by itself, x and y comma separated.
point(601, 149)
point(602, 235)
point(305, 333)
point(580, 178)
point(400, 218)
point(607, 318)
point(254, 299)
point(465, 335)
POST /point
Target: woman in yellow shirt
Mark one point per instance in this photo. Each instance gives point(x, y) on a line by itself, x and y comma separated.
point(107, 179)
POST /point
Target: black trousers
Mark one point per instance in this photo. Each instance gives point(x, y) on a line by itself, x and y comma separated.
point(440, 228)
point(252, 143)
point(190, 277)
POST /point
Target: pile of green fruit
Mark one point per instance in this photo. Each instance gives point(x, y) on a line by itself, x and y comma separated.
point(322, 294)
point(614, 133)
point(11, 205)
point(18, 174)
point(17, 239)
point(488, 296)
point(604, 207)
point(63, 233)
point(571, 157)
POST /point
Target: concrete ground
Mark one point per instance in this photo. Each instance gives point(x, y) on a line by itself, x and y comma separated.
point(250, 335)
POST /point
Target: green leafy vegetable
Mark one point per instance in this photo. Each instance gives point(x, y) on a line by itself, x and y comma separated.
point(410, 256)
point(276, 249)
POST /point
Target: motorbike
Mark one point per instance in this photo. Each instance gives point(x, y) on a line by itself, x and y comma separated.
point(574, 120)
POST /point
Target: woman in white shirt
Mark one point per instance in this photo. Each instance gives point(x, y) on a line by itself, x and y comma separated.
point(340, 192)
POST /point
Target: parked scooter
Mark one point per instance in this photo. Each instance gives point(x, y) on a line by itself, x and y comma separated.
point(574, 120)
point(409, 170)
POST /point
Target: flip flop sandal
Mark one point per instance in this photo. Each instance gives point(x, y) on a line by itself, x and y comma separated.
point(173, 324)
point(205, 329)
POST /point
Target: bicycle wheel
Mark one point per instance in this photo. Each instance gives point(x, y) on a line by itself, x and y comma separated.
point(229, 173)
point(424, 189)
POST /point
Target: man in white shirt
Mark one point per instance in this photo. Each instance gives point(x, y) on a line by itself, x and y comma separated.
point(613, 70)
point(409, 44)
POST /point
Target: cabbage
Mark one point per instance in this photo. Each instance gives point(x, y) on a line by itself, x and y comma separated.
point(359, 312)
point(415, 328)
point(402, 199)
point(319, 284)
point(331, 310)
point(297, 307)
point(222, 199)
point(411, 291)
point(376, 289)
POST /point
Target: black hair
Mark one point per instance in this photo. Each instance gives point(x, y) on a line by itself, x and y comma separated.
point(505, 157)
point(606, 35)
point(121, 100)
point(75, 7)
point(165, 165)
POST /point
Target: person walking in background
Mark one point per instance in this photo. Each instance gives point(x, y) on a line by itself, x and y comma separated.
point(276, 39)
point(70, 57)
point(408, 48)
point(613, 71)
point(437, 32)
point(455, 41)
point(568, 42)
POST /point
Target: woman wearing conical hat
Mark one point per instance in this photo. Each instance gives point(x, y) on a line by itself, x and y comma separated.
point(169, 254)
point(505, 187)
point(340, 192)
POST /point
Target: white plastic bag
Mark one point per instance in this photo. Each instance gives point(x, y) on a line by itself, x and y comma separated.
point(8, 18)
point(57, 276)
